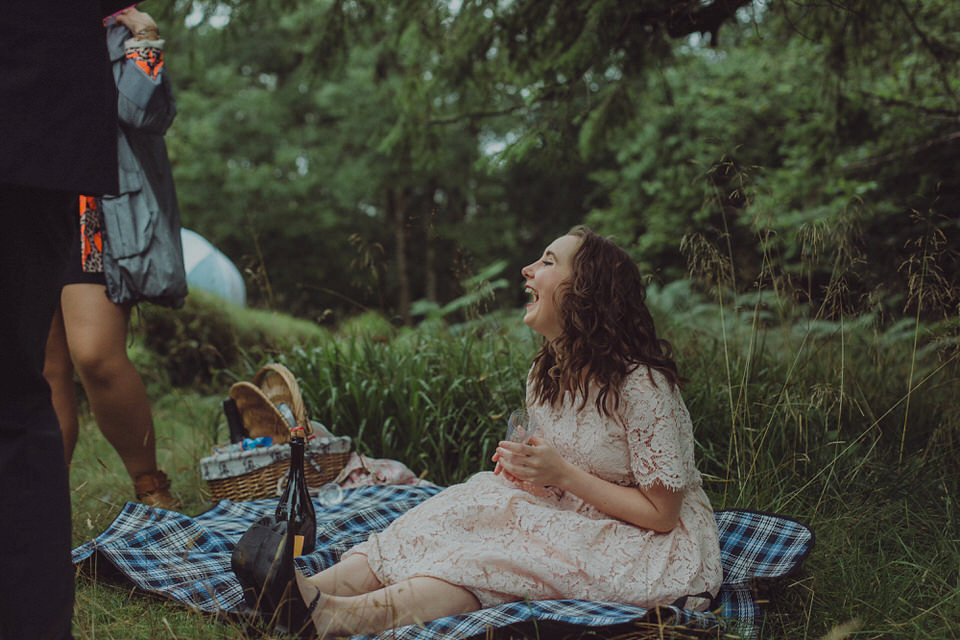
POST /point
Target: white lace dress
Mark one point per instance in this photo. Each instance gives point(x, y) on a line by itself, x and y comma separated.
point(504, 542)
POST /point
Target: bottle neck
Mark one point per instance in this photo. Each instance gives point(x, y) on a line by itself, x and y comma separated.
point(298, 441)
point(297, 446)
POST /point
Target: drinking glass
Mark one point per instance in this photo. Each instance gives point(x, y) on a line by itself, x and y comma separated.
point(520, 426)
point(330, 494)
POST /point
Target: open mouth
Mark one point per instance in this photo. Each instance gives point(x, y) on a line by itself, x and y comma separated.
point(534, 296)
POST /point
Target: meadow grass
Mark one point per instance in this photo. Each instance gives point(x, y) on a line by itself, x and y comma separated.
point(850, 426)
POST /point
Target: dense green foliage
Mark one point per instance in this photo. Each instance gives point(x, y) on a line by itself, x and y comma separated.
point(204, 346)
point(366, 154)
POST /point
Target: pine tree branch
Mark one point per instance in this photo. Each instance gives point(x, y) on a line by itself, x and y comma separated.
point(903, 154)
point(951, 115)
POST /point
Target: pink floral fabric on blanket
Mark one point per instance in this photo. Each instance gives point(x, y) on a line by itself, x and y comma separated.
point(361, 471)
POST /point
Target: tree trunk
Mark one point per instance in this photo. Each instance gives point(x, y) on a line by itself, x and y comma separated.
point(398, 201)
point(430, 249)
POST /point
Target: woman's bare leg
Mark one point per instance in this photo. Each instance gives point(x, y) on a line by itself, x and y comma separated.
point(58, 370)
point(350, 577)
point(408, 602)
point(96, 330)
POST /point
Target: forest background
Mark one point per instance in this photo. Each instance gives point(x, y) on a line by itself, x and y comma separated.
point(371, 154)
point(784, 171)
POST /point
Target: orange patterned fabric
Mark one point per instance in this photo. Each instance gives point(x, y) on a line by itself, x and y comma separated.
point(147, 57)
point(91, 235)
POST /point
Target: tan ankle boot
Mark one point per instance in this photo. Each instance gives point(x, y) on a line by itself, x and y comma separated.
point(153, 489)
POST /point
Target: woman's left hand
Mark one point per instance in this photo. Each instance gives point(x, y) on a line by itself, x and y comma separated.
point(535, 462)
point(656, 507)
point(140, 24)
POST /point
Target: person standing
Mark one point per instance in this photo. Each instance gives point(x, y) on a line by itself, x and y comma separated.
point(58, 113)
point(128, 250)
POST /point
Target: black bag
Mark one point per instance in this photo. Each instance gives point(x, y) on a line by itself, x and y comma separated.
point(263, 563)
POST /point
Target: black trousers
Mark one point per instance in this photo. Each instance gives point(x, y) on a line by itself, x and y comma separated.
point(36, 574)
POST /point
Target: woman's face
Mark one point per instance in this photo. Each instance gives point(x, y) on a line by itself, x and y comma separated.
point(542, 279)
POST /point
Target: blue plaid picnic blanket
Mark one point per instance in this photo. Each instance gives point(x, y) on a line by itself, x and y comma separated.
point(188, 559)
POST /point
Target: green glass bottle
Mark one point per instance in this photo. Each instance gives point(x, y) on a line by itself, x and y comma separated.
point(295, 506)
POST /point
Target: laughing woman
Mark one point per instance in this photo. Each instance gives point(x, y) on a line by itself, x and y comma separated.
point(603, 503)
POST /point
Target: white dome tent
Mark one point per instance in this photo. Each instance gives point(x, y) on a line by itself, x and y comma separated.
point(208, 269)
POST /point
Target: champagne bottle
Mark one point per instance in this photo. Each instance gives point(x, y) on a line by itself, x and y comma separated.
point(295, 506)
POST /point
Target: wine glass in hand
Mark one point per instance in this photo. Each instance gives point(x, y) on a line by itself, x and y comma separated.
point(520, 426)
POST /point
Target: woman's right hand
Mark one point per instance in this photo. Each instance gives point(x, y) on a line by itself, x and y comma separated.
point(497, 470)
point(535, 462)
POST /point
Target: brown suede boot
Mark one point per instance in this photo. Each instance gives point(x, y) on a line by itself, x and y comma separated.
point(153, 489)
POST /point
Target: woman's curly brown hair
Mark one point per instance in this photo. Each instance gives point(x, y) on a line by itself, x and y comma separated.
point(607, 330)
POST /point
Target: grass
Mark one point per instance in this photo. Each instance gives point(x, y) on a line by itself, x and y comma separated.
point(850, 426)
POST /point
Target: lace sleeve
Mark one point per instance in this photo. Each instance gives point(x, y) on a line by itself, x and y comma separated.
point(659, 432)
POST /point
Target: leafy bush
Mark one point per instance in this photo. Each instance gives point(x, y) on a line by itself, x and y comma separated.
point(436, 397)
point(207, 345)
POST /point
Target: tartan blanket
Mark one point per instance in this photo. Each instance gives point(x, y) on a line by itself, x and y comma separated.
point(188, 559)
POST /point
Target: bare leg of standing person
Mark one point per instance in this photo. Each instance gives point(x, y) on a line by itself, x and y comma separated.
point(58, 370)
point(96, 331)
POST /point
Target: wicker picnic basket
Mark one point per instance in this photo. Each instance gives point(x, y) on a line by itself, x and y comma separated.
point(264, 402)
point(259, 473)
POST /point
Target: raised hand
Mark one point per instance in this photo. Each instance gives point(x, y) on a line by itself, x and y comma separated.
point(140, 24)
